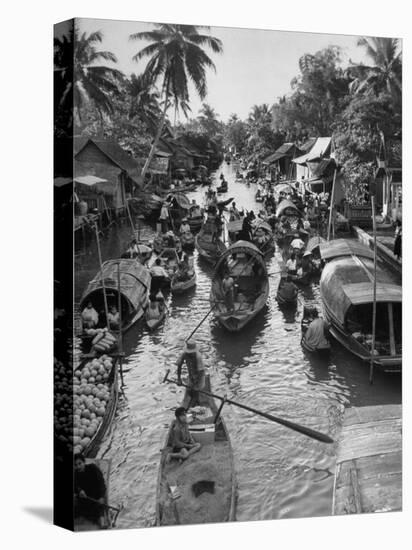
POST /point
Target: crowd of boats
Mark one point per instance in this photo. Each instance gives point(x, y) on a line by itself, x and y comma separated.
point(237, 243)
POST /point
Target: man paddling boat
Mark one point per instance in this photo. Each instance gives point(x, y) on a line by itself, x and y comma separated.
point(195, 367)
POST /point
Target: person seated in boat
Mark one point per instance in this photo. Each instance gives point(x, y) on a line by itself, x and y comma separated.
point(260, 237)
point(185, 227)
point(157, 270)
point(241, 302)
point(316, 336)
point(132, 249)
point(291, 264)
point(89, 490)
point(160, 299)
point(183, 444)
point(113, 318)
point(288, 290)
point(164, 216)
point(246, 230)
point(297, 244)
point(90, 317)
point(182, 273)
point(193, 359)
point(170, 240)
point(194, 209)
point(228, 287)
point(307, 264)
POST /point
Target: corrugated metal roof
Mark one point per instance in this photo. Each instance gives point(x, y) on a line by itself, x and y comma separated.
point(319, 149)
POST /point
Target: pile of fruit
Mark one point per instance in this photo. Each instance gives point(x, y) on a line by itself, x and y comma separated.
point(91, 394)
point(103, 340)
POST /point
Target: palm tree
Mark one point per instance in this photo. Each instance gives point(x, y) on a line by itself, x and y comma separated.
point(175, 57)
point(82, 76)
point(386, 72)
point(144, 100)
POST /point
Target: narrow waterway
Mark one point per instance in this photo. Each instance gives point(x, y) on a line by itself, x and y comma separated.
point(280, 473)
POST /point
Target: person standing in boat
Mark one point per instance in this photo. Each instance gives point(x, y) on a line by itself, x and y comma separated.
point(192, 357)
point(185, 227)
point(316, 337)
point(164, 217)
point(183, 444)
point(90, 317)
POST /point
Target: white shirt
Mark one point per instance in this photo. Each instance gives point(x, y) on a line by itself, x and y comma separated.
point(164, 213)
point(158, 271)
point(291, 265)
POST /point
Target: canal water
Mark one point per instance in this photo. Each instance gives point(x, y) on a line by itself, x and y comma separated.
point(280, 473)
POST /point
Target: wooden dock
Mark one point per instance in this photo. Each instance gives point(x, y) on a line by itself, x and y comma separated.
point(368, 475)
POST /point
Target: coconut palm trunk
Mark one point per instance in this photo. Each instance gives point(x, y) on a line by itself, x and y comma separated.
point(156, 140)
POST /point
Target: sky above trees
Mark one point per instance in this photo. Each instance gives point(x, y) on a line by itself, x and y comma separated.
point(256, 67)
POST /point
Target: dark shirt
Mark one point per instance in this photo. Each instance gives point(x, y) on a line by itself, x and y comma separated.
point(90, 481)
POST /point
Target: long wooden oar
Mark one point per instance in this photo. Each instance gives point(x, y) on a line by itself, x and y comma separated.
point(101, 503)
point(202, 321)
point(314, 434)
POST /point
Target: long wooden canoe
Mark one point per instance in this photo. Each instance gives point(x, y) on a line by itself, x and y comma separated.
point(209, 246)
point(153, 324)
point(178, 287)
point(134, 289)
point(246, 265)
point(206, 481)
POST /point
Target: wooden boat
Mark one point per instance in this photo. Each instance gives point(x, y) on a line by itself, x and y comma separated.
point(110, 513)
point(180, 206)
point(234, 228)
point(187, 240)
point(285, 300)
point(209, 246)
point(166, 240)
point(105, 425)
point(346, 288)
point(262, 237)
point(153, 324)
point(169, 260)
point(246, 264)
point(206, 481)
point(134, 289)
point(178, 287)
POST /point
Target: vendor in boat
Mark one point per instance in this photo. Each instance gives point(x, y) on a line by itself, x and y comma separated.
point(183, 444)
point(90, 317)
point(307, 264)
point(297, 244)
point(287, 289)
point(157, 270)
point(194, 363)
point(89, 490)
point(185, 227)
point(195, 209)
point(246, 231)
point(182, 273)
point(292, 264)
point(132, 251)
point(316, 336)
point(228, 287)
point(113, 318)
point(170, 239)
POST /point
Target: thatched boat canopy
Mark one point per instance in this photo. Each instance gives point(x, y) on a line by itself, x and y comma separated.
point(134, 283)
point(287, 208)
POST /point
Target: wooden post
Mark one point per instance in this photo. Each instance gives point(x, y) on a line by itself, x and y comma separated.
point(374, 289)
point(106, 309)
point(391, 330)
point(332, 200)
point(120, 345)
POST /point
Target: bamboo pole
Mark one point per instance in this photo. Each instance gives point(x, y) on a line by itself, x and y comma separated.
point(120, 345)
point(374, 290)
point(106, 309)
point(332, 200)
